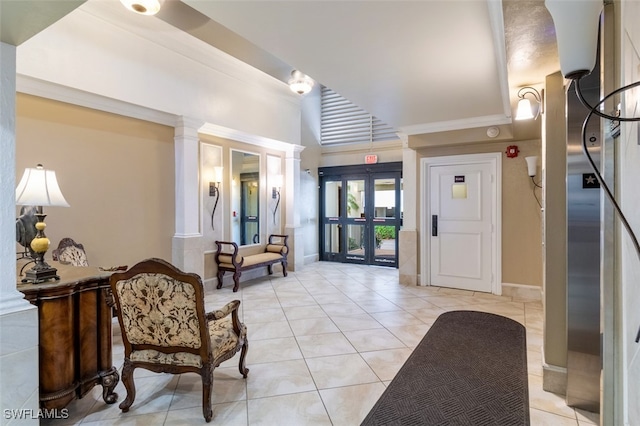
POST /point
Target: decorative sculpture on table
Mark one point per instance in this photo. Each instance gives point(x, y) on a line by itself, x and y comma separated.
point(26, 231)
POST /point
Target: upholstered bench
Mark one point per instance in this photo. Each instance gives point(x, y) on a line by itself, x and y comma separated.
point(228, 260)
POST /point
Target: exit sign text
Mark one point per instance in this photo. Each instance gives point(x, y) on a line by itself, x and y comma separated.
point(370, 159)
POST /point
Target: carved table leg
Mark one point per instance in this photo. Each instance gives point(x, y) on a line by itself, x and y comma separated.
point(109, 380)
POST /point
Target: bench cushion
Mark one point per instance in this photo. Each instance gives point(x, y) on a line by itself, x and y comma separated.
point(276, 248)
point(256, 259)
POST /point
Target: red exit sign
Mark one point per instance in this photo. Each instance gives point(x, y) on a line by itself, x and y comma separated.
point(370, 159)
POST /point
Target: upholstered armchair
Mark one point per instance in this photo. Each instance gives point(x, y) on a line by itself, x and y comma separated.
point(165, 328)
point(70, 252)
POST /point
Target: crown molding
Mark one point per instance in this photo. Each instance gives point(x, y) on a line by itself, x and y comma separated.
point(46, 89)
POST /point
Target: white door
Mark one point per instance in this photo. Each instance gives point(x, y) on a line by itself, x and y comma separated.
point(461, 226)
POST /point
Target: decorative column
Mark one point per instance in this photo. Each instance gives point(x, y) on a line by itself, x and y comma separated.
point(187, 252)
point(292, 216)
point(408, 235)
point(18, 318)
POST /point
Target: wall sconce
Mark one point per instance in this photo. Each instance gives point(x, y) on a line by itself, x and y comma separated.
point(143, 7)
point(39, 187)
point(300, 83)
point(214, 190)
point(532, 165)
point(576, 42)
point(275, 193)
point(525, 110)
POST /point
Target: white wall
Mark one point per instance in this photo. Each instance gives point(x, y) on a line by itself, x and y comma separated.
point(18, 318)
point(629, 161)
point(125, 57)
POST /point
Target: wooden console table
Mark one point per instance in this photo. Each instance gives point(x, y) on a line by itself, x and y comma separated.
point(74, 315)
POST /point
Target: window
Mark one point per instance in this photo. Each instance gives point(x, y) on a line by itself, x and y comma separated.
point(344, 122)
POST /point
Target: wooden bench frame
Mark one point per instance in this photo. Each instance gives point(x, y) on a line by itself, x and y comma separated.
point(230, 261)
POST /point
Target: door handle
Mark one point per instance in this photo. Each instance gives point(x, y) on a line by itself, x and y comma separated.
point(434, 225)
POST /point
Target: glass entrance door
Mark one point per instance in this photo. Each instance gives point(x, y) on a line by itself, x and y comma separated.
point(361, 217)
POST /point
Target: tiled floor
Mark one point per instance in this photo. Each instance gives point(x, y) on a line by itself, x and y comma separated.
point(324, 343)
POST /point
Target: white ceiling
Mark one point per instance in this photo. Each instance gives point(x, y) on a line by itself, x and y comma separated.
point(421, 66)
point(412, 64)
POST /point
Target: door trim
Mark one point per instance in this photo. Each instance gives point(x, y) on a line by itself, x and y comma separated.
point(495, 160)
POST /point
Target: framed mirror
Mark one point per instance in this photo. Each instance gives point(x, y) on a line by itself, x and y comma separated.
point(245, 198)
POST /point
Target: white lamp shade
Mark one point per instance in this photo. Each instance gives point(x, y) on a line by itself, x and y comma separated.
point(39, 187)
point(532, 164)
point(143, 7)
point(576, 23)
point(524, 111)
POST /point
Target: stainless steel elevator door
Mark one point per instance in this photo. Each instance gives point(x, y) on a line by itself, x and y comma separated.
point(583, 253)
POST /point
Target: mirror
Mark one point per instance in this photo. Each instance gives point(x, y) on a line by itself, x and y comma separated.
point(245, 198)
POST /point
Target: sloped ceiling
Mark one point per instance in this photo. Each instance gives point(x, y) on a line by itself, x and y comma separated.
point(424, 67)
point(420, 66)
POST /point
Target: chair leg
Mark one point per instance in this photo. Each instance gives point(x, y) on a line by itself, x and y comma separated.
point(220, 276)
point(236, 280)
point(243, 354)
point(284, 267)
point(207, 386)
point(127, 381)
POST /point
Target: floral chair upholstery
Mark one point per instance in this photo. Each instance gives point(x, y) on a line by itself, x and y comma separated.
point(70, 252)
point(165, 328)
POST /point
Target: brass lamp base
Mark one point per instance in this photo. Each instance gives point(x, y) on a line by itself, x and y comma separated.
point(40, 273)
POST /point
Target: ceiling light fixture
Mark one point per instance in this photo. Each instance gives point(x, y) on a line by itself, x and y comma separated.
point(143, 7)
point(525, 109)
point(300, 83)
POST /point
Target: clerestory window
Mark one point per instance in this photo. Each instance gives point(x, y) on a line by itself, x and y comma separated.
point(343, 122)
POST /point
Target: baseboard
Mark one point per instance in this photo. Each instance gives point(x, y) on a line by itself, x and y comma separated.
point(311, 258)
point(522, 292)
point(554, 379)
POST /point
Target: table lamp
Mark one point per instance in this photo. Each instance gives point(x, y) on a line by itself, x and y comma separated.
point(39, 187)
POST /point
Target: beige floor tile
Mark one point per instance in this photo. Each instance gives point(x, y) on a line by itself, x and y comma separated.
point(544, 418)
point(279, 378)
point(153, 395)
point(379, 305)
point(305, 327)
point(428, 316)
point(408, 303)
point(534, 362)
point(340, 370)
point(324, 345)
point(264, 315)
point(271, 350)
point(395, 319)
point(373, 340)
point(268, 330)
point(547, 401)
point(227, 414)
point(410, 335)
point(348, 406)
point(373, 321)
point(356, 322)
point(341, 309)
point(297, 300)
point(386, 363)
point(228, 386)
point(288, 410)
point(128, 419)
point(302, 312)
point(451, 302)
